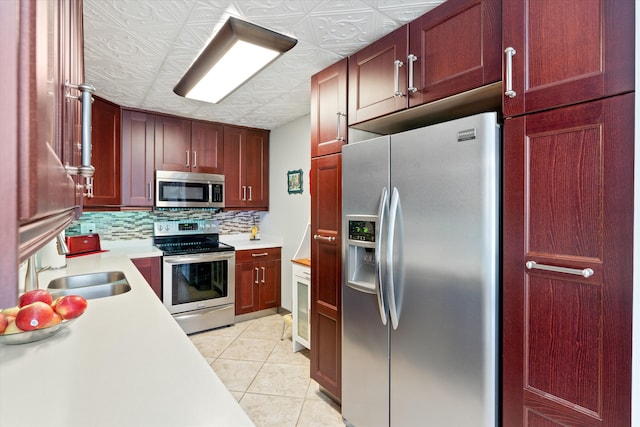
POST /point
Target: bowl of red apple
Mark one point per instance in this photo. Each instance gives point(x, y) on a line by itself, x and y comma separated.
point(39, 316)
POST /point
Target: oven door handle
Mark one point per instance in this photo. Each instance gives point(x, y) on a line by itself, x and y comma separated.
point(186, 259)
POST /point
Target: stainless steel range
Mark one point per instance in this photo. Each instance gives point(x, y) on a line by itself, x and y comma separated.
point(198, 274)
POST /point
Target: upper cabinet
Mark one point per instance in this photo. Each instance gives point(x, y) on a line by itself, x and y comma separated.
point(375, 77)
point(451, 49)
point(105, 137)
point(173, 143)
point(246, 168)
point(188, 146)
point(153, 142)
point(138, 129)
point(329, 109)
point(550, 60)
point(207, 147)
point(51, 54)
point(456, 48)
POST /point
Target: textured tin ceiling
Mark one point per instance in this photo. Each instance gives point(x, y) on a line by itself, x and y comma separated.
point(137, 50)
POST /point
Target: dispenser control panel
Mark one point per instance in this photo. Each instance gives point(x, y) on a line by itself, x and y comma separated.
point(363, 231)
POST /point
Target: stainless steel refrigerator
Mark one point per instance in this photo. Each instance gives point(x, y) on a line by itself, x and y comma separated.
point(420, 276)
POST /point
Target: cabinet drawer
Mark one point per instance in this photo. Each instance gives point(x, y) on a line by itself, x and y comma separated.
point(256, 255)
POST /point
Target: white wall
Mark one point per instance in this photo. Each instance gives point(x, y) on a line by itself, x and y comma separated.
point(635, 361)
point(289, 149)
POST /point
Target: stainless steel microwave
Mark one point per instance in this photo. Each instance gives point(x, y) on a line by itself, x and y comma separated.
point(189, 190)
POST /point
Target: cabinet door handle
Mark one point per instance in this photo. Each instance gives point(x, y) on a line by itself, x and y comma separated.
point(585, 272)
point(411, 58)
point(257, 275)
point(244, 193)
point(263, 275)
point(195, 159)
point(187, 165)
point(324, 238)
point(260, 254)
point(396, 76)
point(339, 137)
point(508, 80)
point(251, 193)
point(149, 190)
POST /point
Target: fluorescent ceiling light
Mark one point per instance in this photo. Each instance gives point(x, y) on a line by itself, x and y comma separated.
point(236, 53)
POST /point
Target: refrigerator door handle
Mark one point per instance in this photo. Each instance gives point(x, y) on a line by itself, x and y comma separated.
point(380, 287)
point(392, 285)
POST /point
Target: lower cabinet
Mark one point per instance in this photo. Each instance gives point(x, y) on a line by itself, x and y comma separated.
point(257, 280)
point(151, 271)
point(326, 273)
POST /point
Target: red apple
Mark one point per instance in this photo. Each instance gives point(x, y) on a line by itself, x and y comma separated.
point(54, 321)
point(4, 322)
point(35, 295)
point(12, 328)
point(11, 311)
point(34, 316)
point(70, 306)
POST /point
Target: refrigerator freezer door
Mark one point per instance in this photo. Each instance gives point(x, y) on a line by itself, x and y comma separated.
point(365, 347)
point(443, 354)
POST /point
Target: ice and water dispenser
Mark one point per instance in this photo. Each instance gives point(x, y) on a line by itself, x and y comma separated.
point(361, 252)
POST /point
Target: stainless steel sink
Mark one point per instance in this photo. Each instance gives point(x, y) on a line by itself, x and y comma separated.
point(90, 286)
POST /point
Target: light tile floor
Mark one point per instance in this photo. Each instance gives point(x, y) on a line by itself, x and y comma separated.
point(270, 381)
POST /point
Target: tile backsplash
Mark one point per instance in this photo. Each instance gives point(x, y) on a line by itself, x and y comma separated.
point(133, 225)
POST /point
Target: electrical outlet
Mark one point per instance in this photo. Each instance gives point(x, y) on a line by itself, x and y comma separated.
point(88, 227)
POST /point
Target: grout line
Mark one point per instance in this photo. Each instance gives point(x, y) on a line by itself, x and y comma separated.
point(276, 341)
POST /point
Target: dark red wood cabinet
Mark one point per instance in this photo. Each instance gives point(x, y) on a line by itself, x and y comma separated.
point(257, 279)
point(173, 143)
point(326, 273)
point(329, 109)
point(568, 192)
point(105, 138)
point(246, 168)
point(151, 270)
point(457, 46)
point(186, 145)
point(138, 158)
point(207, 147)
point(567, 52)
point(47, 140)
point(329, 100)
point(42, 50)
point(451, 49)
point(372, 78)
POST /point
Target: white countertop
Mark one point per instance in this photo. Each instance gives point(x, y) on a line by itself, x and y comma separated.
point(241, 241)
point(124, 362)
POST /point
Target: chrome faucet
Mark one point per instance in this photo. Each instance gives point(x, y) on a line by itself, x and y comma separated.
point(63, 249)
point(31, 278)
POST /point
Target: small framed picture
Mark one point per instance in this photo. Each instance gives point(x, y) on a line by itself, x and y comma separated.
point(294, 181)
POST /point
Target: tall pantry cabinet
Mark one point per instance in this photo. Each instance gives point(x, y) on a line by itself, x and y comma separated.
point(328, 134)
point(568, 212)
